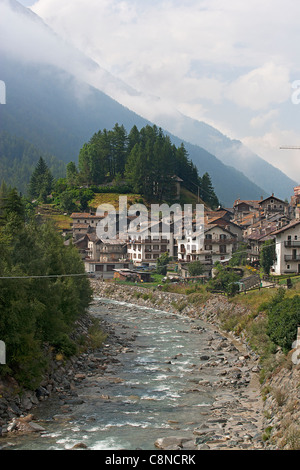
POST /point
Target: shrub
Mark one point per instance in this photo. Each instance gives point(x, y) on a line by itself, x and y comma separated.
point(283, 320)
point(64, 345)
point(267, 434)
point(293, 438)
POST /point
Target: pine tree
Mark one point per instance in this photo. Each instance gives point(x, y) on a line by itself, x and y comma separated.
point(41, 181)
point(72, 174)
point(207, 191)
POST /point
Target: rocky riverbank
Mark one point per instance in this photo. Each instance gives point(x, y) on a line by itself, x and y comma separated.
point(16, 406)
point(22, 412)
point(271, 410)
point(238, 419)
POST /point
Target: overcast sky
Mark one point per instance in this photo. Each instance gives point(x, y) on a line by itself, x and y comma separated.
point(231, 64)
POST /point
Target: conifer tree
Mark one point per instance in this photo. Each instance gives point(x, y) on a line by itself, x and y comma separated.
point(41, 181)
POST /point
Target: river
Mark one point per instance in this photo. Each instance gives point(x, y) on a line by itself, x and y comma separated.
point(157, 384)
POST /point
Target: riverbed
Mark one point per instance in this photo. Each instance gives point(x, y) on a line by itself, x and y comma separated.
point(165, 376)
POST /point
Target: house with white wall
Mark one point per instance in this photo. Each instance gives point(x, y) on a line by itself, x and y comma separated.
point(287, 242)
point(148, 244)
point(217, 243)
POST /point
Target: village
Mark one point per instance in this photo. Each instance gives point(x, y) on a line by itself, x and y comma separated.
point(249, 223)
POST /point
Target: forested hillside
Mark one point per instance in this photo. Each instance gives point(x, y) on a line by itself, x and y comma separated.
point(18, 159)
point(146, 160)
point(36, 311)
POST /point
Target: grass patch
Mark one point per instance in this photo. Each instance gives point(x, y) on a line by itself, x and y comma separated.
point(50, 212)
point(113, 199)
point(96, 335)
point(293, 438)
point(267, 433)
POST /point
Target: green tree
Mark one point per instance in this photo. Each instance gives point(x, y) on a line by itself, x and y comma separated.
point(283, 320)
point(162, 263)
point(66, 201)
point(207, 191)
point(267, 255)
point(41, 181)
point(195, 268)
point(239, 257)
point(72, 174)
point(225, 280)
point(37, 311)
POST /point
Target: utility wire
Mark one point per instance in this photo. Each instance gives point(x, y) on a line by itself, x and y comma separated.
point(86, 274)
point(46, 276)
point(207, 240)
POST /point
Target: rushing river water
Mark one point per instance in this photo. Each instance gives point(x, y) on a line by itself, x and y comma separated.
point(150, 390)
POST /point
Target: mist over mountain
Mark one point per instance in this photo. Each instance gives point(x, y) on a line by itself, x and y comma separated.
point(233, 153)
point(18, 159)
point(51, 103)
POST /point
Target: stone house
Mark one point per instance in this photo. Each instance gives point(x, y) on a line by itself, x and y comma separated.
point(272, 204)
point(241, 208)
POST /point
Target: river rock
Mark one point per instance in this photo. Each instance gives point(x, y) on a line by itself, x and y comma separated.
point(164, 442)
point(80, 445)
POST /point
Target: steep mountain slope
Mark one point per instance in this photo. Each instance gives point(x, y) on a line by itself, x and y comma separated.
point(18, 159)
point(230, 152)
point(233, 153)
point(48, 104)
point(58, 114)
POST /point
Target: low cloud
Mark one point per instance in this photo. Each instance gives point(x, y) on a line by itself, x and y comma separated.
point(230, 63)
point(261, 88)
point(262, 119)
point(270, 144)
